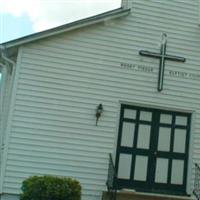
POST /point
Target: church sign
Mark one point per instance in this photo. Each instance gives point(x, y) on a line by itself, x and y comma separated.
point(162, 56)
point(135, 67)
point(149, 69)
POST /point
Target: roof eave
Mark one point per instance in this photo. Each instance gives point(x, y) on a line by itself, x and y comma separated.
point(68, 27)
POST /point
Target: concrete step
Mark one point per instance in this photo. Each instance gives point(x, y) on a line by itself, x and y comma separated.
point(132, 195)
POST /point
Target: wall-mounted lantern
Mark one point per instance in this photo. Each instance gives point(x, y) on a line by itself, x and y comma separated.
point(99, 112)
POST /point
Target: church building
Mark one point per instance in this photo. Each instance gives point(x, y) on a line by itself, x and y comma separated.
point(112, 100)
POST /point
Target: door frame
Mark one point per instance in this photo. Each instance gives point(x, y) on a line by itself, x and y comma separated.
point(189, 136)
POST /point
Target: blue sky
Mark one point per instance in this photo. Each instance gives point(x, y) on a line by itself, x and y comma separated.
point(14, 27)
point(23, 17)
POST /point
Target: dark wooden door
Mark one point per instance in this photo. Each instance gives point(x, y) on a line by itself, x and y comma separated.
point(152, 150)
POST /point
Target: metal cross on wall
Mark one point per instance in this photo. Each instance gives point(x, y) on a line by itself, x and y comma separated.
point(162, 56)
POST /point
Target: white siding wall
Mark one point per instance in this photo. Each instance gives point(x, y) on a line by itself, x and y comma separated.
point(62, 79)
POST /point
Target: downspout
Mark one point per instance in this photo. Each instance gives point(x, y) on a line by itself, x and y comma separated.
point(5, 57)
point(7, 62)
point(7, 67)
point(1, 97)
point(1, 103)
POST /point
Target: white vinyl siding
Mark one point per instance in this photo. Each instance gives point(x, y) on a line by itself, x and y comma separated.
point(62, 79)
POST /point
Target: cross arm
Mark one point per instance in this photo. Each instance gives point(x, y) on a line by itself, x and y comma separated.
point(149, 54)
point(175, 58)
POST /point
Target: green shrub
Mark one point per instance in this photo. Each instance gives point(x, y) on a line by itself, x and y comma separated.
point(50, 188)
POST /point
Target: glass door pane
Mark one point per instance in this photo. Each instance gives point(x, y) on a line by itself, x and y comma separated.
point(179, 140)
point(124, 169)
point(141, 163)
point(161, 170)
point(166, 118)
point(177, 172)
point(181, 120)
point(164, 138)
point(145, 116)
point(129, 114)
point(144, 132)
point(128, 131)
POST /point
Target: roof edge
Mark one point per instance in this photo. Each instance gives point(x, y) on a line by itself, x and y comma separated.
point(120, 12)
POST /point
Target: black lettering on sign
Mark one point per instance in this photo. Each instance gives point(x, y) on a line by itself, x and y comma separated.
point(184, 75)
point(136, 67)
